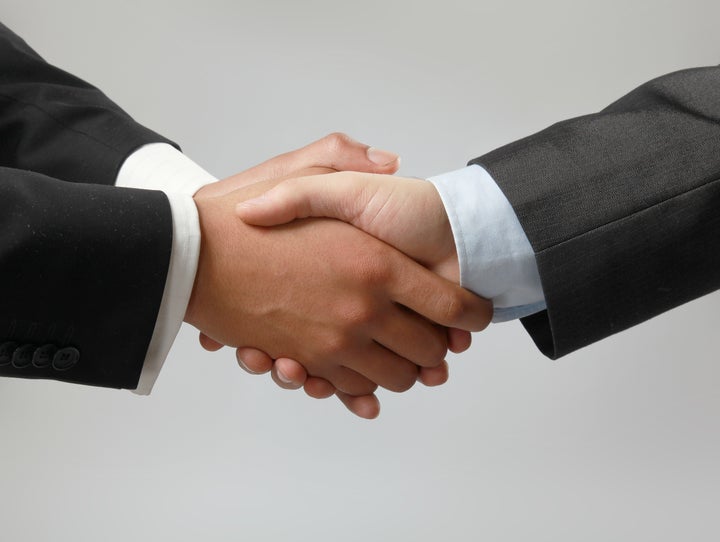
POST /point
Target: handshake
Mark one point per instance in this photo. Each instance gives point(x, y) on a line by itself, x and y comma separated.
point(321, 267)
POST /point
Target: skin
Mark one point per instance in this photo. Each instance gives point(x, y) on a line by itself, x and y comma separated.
point(348, 307)
point(406, 213)
point(334, 152)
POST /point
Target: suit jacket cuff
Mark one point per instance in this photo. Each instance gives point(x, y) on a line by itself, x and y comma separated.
point(161, 167)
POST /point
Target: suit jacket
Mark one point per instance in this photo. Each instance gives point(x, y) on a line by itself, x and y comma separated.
point(83, 264)
point(622, 208)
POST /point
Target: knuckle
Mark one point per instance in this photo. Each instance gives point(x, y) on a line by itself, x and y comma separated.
point(435, 353)
point(336, 345)
point(374, 269)
point(362, 313)
point(336, 142)
point(454, 307)
point(355, 384)
point(404, 382)
point(356, 310)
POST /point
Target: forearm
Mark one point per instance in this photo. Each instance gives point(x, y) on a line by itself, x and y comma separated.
point(53, 123)
point(620, 208)
point(82, 266)
point(161, 167)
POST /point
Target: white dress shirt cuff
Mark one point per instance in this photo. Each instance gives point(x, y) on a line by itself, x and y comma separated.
point(495, 256)
point(159, 166)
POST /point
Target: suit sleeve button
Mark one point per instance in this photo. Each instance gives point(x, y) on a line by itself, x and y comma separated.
point(7, 349)
point(65, 358)
point(44, 355)
point(23, 356)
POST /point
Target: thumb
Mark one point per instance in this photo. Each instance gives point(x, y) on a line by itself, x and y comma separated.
point(302, 197)
point(336, 151)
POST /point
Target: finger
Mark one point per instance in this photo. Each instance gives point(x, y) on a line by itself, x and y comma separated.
point(319, 388)
point(336, 151)
point(348, 380)
point(459, 340)
point(411, 336)
point(383, 367)
point(253, 361)
point(209, 344)
point(341, 152)
point(434, 376)
point(364, 406)
point(340, 196)
point(437, 299)
point(288, 374)
point(247, 178)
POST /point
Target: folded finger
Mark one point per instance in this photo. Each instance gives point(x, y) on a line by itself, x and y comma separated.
point(411, 336)
point(364, 406)
point(253, 361)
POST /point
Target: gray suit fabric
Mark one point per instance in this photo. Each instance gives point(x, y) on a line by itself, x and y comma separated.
point(622, 208)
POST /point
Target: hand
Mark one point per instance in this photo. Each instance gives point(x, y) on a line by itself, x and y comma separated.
point(333, 152)
point(325, 294)
point(406, 213)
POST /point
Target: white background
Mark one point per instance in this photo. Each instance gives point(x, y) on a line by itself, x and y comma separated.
point(617, 442)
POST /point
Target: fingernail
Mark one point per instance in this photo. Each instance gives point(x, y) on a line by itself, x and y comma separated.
point(284, 379)
point(243, 366)
point(381, 157)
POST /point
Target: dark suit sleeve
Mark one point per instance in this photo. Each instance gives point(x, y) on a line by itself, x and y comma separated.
point(53, 123)
point(82, 272)
point(83, 264)
point(622, 208)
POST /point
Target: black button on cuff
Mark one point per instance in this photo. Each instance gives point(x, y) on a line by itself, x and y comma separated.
point(23, 356)
point(65, 358)
point(43, 357)
point(7, 350)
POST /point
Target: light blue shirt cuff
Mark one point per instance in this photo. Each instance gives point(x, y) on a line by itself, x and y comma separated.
point(495, 256)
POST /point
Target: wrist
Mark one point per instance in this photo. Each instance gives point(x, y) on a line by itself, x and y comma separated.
point(192, 309)
point(215, 294)
point(445, 256)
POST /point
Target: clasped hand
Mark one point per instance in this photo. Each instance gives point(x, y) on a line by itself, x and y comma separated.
point(342, 307)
